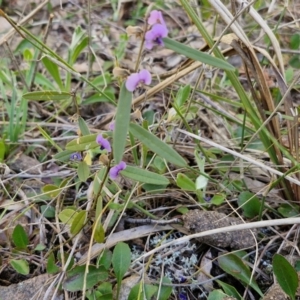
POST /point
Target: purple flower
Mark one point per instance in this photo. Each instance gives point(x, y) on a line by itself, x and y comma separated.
point(104, 143)
point(111, 126)
point(76, 156)
point(114, 171)
point(143, 77)
point(156, 18)
point(155, 35)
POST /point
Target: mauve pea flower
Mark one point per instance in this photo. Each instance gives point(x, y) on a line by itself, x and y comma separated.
point(156, 17)
point(104, 143)
point(114, 171)
point(111, 126)
point(155, 35)
point(76, 156)
point(143, 77)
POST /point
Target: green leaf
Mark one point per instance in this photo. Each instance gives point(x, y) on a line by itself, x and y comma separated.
point(83, 171)
point(250, 204)
point(104, 259)
point(79, 42)
point(78, 222)
point(138, 291)
point(63, 155)
point(229, 290)
point(295, 41)
point(216, 295)
point(51, 190)
point(99, 235)
point(286, 275)
point(47, 211)
point(197, 55)
point(47, 96)
point(121, 123)
point(157, 146)
point(84, 128)
point(2, 150)
point(19, 237)
point(233, 265)
point(288, 210)
point(185, 182)
point(75, 278)
point(145, 176)
point(67, 216)
point(121, 260)
point(218, 199)
point(51, 268)
point(20, 265)
point(83, 143)
point(182, 95)
point(52, 68)
point(165, 291)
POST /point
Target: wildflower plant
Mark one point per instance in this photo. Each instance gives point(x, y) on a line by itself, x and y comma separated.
point(110, 169)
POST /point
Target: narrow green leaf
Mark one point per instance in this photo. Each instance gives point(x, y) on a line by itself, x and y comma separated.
point(121, 261)
point(47, 95)
point(83, 171)
point(2, 150)
point(121, 123)
point(84, 128)
point(286, 275)
point(99, 233)
point(185, 183)
point(75, 278)
point(83, 143)
point(78, 222)
point(182, 95)
point(157, 146)
point(19, 237)
point(63, 155)
point(145, 176)
point(20, 265)
point(229, 290)
point(197, 55)
point(52, 68)
point(233, 265)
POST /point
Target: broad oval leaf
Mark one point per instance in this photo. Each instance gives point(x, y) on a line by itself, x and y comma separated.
point(83, 171)
point(121, 260)
point(142, 292)
point(67, 216)
point(286, 275)
point(197, 55)
point(75, 278)
point(157, 146)
point(78, 222)
point(145, 176)
point(121, 123)
point(250, 204)
point(20, 265)
point(19, 237)
point(233, 265)
point(47, 95)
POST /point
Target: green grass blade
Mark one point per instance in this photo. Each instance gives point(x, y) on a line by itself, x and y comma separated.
point(157, 146)
point(197, 55)
point(121, 123)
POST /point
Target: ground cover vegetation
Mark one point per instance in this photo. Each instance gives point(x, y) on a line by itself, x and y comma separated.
point(149, 149)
